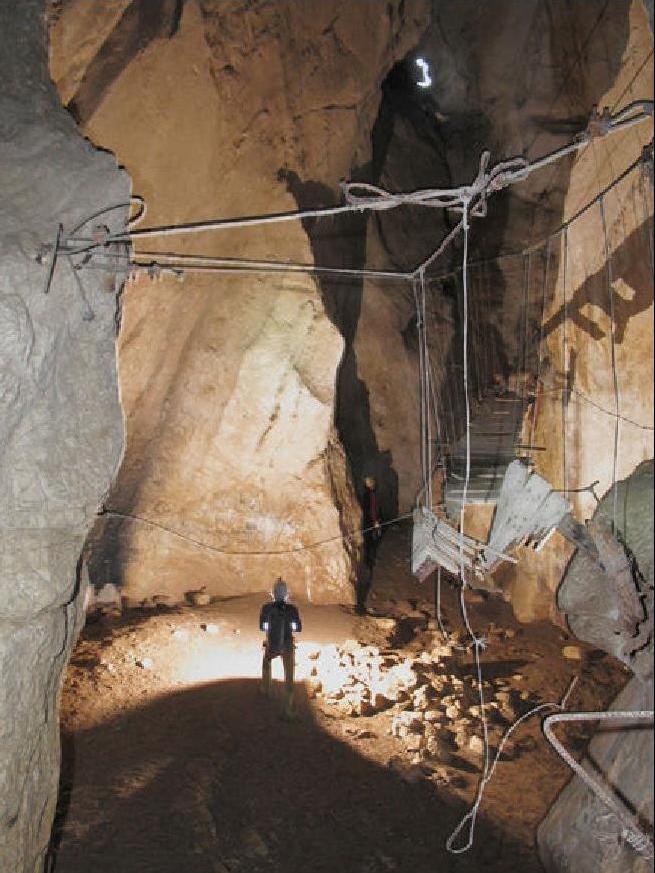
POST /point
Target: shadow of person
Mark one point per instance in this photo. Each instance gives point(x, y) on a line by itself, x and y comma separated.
point(210, 779)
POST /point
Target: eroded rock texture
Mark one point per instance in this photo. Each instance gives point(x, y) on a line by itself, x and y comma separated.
point(229, 382)
point(548, 318)
point(580, 833)
point(60, 420)
point(607, 606)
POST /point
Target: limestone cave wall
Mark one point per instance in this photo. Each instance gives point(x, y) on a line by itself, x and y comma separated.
point(228, 383)
point(255, 406)
point(61, 427)
point(594, 354)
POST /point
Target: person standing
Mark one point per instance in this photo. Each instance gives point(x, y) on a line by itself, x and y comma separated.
point(279, 620)
point(371, 535)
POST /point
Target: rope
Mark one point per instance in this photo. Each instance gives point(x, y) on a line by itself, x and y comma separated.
point(645, 184)
point(421, 389)
point(632, 832)
point(565, 366)
point(428, 389)
point(470, 818)
point(615, 378)
point(349, 535)
point(465, 378)
point(360, 196)
point(526, 295)
point(132, 221)
point(504, 174)
point(478, 642)
point(638, 163)
point(600, 408)
point(541, 340)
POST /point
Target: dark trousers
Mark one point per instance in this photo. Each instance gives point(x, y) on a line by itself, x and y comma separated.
point(288, 661)
point(365, 576)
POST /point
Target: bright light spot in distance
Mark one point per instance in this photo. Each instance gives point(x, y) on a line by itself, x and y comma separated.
point(426, 80)
point(210, 660)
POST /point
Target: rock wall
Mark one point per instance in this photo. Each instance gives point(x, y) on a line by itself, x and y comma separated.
point(61, 428)
point(578, 330)
point(228, 383)
point(575, 417)
point(529, 317)
point(580, 833)
point(158, 86)
point(483, 96)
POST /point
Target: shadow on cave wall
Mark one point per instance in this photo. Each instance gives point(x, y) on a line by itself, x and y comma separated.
point(142, 22)
point(455, 142)
point(630, 267)
point(340, 241)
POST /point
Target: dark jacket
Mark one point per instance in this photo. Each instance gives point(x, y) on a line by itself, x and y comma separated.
point(371, 514)
point(270, 614)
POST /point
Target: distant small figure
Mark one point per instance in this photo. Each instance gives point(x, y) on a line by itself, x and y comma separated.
point(279, 621)
point(371, 534)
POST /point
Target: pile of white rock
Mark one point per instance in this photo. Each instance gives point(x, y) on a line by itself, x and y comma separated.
point(433, 711)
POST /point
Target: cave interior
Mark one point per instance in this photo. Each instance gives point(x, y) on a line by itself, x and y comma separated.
point(358, 296)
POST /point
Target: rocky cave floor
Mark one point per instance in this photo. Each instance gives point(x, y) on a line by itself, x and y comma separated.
point(173, 761)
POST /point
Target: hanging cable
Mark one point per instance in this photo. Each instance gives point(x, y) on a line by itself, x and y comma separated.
point(636, 164)
point(428, 390)
point(615, 378)
point(347, 536)
point(421, 391)
point(565, 367)
point(526, 294)
point(646, 185)
point(541, 342)
point(471, 816)
point(477, 642)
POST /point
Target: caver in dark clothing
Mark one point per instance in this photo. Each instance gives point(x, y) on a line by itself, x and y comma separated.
point(279, 621)
point(371, 535)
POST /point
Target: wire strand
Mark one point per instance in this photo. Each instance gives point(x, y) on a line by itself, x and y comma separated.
point(349, 535)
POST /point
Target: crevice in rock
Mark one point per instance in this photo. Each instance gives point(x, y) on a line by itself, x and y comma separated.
point(341, 241)
point(142, 22)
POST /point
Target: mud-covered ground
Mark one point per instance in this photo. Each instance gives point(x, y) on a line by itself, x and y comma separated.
point(173, 761)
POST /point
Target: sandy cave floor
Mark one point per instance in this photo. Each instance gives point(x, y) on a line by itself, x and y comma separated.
point(172, 760)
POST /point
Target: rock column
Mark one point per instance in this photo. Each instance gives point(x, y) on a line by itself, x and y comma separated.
point(61, 427)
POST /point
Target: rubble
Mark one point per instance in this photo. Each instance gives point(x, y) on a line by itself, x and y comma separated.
point(434, 714)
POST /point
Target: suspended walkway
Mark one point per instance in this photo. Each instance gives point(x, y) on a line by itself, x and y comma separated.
point(494, 443)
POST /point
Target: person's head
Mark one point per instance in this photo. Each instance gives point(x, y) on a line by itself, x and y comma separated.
point(280, 590)
point(369, 481)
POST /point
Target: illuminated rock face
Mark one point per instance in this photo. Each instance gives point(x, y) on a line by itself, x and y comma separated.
point(242, 394)
point(61, 429)
point(228, 383)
